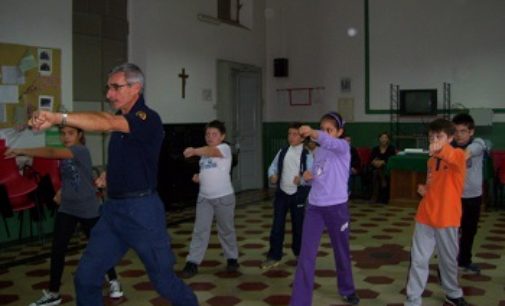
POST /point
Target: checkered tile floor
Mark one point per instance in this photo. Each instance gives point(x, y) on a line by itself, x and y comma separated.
point(380, 242)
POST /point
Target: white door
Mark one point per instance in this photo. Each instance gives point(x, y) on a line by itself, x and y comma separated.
point(239, 100)
point(248, 129)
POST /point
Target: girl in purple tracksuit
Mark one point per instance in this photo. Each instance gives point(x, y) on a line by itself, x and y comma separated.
point(327, 207)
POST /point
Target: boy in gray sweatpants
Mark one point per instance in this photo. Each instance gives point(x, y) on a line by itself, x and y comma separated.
point(438, 217)
point(216, 198)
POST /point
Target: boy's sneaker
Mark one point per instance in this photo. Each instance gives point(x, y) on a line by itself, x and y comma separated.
point(470, 269)
point(232, 265)
point(115, 290)
point(48, 299)
point(269, 264)
point(456, 301)
point(190, 270)
point(351, 299)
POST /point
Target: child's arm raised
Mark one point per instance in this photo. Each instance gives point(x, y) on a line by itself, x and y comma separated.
point(44, 152)
point(210, 151)
point(307, 131)
point(453, 156)
point(476, 148)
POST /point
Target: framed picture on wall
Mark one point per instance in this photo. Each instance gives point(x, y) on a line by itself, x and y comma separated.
point(45, 59)
point(46, 103)
point(345, 85)
point(300, 96)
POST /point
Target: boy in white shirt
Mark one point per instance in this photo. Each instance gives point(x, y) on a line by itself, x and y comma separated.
point(286, 172)
point(216, 197)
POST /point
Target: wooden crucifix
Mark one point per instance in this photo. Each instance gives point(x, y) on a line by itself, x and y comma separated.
point(183, 77)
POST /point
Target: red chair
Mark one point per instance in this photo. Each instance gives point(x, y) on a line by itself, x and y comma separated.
point(21, 191)
point(47, 166)
point(499, 178)
point(364, 155)
point(5, 208)
point(363, 180)
point(9, 168)
point(498, 158)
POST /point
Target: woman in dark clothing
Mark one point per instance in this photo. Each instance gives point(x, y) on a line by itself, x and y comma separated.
point(379, 158)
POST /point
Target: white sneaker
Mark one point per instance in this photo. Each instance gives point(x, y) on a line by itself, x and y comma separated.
point(48, 299)
point(115, 291)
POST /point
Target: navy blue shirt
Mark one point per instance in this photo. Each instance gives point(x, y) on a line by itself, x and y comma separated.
point(133, 157)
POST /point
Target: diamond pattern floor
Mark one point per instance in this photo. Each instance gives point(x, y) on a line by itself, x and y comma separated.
point(380, 242)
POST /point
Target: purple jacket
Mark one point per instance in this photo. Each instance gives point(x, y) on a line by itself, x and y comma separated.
point(330, 171)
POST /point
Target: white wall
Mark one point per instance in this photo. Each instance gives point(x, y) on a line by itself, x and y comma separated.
point(166, 36)
point(313, 36)
point(45, 23)
point(413, 43)
point(422, 44)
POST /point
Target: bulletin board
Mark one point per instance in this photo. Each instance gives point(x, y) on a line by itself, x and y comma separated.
point(30, 79)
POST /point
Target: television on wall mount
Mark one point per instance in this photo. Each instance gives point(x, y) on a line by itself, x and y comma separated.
point(418, 102)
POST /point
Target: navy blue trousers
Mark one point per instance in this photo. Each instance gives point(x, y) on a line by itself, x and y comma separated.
point(283, 203)
point(137, 223)
point(468, 229)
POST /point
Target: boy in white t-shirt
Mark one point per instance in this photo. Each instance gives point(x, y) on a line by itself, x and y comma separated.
point(216, 197)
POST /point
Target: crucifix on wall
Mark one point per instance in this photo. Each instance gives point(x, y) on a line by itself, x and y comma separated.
point(183, 77)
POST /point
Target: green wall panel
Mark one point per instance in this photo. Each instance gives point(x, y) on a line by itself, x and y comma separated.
point(364, 134)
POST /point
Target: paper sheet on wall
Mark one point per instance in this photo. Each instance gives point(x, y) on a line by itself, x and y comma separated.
point(27, 62)
point(346, 108)
point(12, 75)
point(9, 94)
point(20, 114)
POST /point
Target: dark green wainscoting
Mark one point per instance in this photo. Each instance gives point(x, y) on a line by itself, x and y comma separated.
point(364, 134)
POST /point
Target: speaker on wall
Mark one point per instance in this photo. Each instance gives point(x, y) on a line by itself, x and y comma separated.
point(281, 67)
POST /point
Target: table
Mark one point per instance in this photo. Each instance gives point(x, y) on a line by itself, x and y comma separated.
point(406, 171)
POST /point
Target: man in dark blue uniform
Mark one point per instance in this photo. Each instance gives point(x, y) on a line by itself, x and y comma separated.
point(133, 216)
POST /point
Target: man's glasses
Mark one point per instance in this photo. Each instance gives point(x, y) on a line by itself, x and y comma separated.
point(115, 87)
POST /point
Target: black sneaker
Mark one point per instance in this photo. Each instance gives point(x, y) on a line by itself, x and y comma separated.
point(456, 301)
point(48, 299)
point(232, 265)
point(470, 269)
point(351, 299)
point(190, 270)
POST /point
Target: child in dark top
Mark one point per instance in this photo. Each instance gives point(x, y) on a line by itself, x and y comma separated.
point(475, 149)
point(286, 173)
point(379, 158)
point(78, 204)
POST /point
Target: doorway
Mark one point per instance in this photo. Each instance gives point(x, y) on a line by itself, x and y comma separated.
point(239, 93)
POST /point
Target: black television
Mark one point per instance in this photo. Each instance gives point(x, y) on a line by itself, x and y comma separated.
point(418, 102)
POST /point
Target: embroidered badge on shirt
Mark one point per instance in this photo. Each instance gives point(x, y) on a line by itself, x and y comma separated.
point(142, 115)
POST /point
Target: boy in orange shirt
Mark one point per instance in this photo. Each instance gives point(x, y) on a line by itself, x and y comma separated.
point(438, 217)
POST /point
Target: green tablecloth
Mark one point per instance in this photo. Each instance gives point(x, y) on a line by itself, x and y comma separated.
point(408, 162)
point(418, 163)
